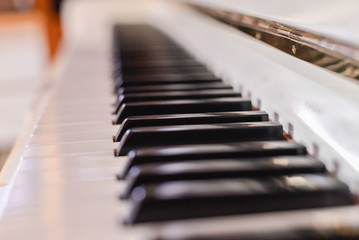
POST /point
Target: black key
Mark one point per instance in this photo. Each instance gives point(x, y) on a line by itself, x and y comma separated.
point(173, 87)
point(211, 151)
point(161, 58)
point(198, 134)
point(154, 46)
point(154, 43)
point(160, 63)
point(219, 169)
point(166, 76)
point(137, 52)
point(137, 48)
point(174, 80)
point(193, 199)
point(158, 96)
point(160, 70)
point(186, 119)
point(149, 56)
point(182, 106)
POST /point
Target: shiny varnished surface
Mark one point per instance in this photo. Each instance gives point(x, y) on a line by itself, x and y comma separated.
point(192, 199)
point(198, 134)
point(211, 151)
point(219, 169)
point(328, 53)
point(186, 119)
point(182, 106)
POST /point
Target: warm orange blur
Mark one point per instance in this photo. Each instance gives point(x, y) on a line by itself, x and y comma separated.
point(51, 20)
point(44, 15)
point(30, 35)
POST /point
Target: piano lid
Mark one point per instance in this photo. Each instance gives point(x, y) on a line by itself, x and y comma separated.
point(331, 18)
point(315, 47)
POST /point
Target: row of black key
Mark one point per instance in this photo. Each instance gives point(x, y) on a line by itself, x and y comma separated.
point(195, 148)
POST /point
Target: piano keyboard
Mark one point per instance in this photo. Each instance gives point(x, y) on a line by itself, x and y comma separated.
point(149, 144)
point(203, 153)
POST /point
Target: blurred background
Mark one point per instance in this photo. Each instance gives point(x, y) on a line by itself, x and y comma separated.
point(30, 34)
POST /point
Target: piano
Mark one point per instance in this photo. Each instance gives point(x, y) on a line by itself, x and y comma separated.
point(179, 120)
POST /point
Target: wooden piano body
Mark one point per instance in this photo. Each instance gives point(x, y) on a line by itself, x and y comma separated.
point(59, 182)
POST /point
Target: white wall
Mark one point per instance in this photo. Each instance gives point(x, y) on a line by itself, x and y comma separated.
point(23, 60)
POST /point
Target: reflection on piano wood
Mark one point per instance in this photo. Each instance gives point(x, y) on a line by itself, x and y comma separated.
point(192, 159)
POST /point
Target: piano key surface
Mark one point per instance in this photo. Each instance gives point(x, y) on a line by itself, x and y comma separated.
point(219, 169)
point(185, 197)
point(187, 119)
point(67, 190)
